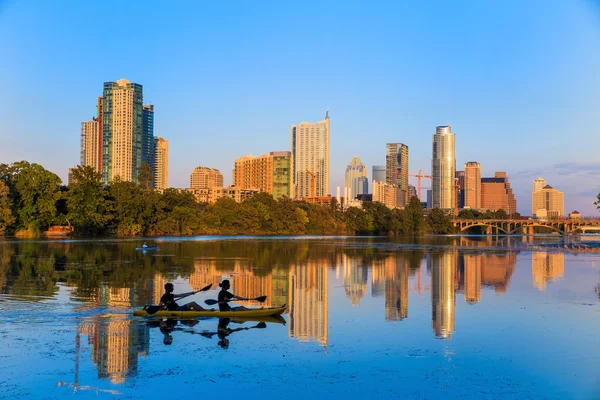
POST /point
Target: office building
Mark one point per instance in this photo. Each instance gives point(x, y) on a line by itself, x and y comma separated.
point(310, 152)
point(378, 173)
point(443, 167)
point(355, 180)
point(396, 168)
point(496, 194)
point(547, 202)
point(270, 173)
point(472, 185)
point(147, 151)
point(538, 184)
point(459, 191)
point(205, 178)
point(161, 163)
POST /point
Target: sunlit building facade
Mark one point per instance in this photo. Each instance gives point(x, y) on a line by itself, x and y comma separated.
point(496, 194)
point(396, 169)
point(310, 152)
point(355, 179)
point(443, 168)
point(205, 178)
point(547, 202)
point(270, 173)
point(161, 163)
point(472, 185)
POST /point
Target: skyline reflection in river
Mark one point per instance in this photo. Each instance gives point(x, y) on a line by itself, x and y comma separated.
point(334, 289)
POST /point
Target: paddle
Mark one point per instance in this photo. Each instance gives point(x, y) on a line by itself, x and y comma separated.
point(212, 302)
point(154, 309)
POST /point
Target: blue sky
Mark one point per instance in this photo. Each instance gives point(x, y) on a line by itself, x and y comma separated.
point(517, 80)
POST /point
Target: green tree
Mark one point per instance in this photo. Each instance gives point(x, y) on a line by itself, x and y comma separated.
point(414, 220)
point(7, 219)
point(145, 176)
point(439, 222)
point(88, 207)
point(37, 192)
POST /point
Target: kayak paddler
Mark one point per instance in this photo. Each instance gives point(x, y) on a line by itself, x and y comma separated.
point(144, 246)
point(168, 300)
point(225, 295)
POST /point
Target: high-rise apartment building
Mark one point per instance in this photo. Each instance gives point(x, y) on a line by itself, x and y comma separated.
point(396, 169)
point(387, 194)
point(205, 178)
point(496, 194)
point(355, 180)
point(122, 130)
point(310, 152)
point(89, 145)
point(378, 173)
point(161, 163)
point(443, 168)
point(271, 173)
point(472, 185)
point(547, 202)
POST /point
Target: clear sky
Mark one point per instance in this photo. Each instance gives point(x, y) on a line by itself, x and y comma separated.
point(519, 81)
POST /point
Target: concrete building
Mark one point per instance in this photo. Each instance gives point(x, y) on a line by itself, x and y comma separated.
point(496, 194)
point(387, 194)
point(205, 178)
point(472, 185)
point(378, 173)
point(547, 202)
point(270, 173)
point(355, 180)
point(90, 143)
point(575, 215)
point(161, 163)
point(212, 194)
point(443, 168)
point(538, 184)
point(396, 169)
point(310, 152)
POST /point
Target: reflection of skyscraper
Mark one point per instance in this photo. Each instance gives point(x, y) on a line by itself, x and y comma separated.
point(496, 270)
point(378, 278)
point(159, 286)
point(547, 267)
point(443, 300)
point(396, 289)
point(355, 279)
point(115, 297)
point(309, 302)
point(244, 282)
point(116, 346)
point(280, 286)
point(472, 263)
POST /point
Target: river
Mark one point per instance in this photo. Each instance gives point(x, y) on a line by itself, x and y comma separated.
point(425, 318)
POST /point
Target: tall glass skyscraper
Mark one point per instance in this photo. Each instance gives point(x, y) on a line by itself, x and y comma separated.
point(310, 152)
point(378, 173)
point(122, 130)
point(443, 168)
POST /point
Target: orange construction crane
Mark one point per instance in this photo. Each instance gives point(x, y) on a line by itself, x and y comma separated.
point(419, 177)
point(312, 182)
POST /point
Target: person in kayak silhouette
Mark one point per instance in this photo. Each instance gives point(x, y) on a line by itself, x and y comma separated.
point(168, 301)
point(223, 330)
point(225, 296)
point(145, 245)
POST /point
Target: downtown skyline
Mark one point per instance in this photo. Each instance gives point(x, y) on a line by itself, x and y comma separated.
point(518, 102)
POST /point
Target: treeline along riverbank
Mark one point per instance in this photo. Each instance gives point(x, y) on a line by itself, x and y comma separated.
point(32, 199)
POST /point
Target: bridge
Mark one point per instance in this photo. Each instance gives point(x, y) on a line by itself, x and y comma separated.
point(527, 226)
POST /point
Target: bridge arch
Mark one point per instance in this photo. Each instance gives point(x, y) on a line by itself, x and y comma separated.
point(467, 227)
point(525, 226)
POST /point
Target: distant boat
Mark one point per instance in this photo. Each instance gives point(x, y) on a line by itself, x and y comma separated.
point(149, 248)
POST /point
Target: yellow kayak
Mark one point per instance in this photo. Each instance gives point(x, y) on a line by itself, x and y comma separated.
point(257, 312)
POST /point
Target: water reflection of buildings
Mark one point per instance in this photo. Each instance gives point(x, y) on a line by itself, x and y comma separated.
point(547, 267)
point(308, 294)
point(390, 276)
point(116, 343)
point(472, 277)
point(355, 278)
point(443, 302)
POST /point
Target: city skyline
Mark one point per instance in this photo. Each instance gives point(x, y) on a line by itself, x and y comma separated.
point(505, 91)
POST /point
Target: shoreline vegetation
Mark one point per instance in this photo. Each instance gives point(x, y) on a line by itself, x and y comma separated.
point(32, 200)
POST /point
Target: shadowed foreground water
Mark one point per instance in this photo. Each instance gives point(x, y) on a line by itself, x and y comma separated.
point(421, 319)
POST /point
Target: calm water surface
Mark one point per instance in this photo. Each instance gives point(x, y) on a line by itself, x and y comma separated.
point(454, 317)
